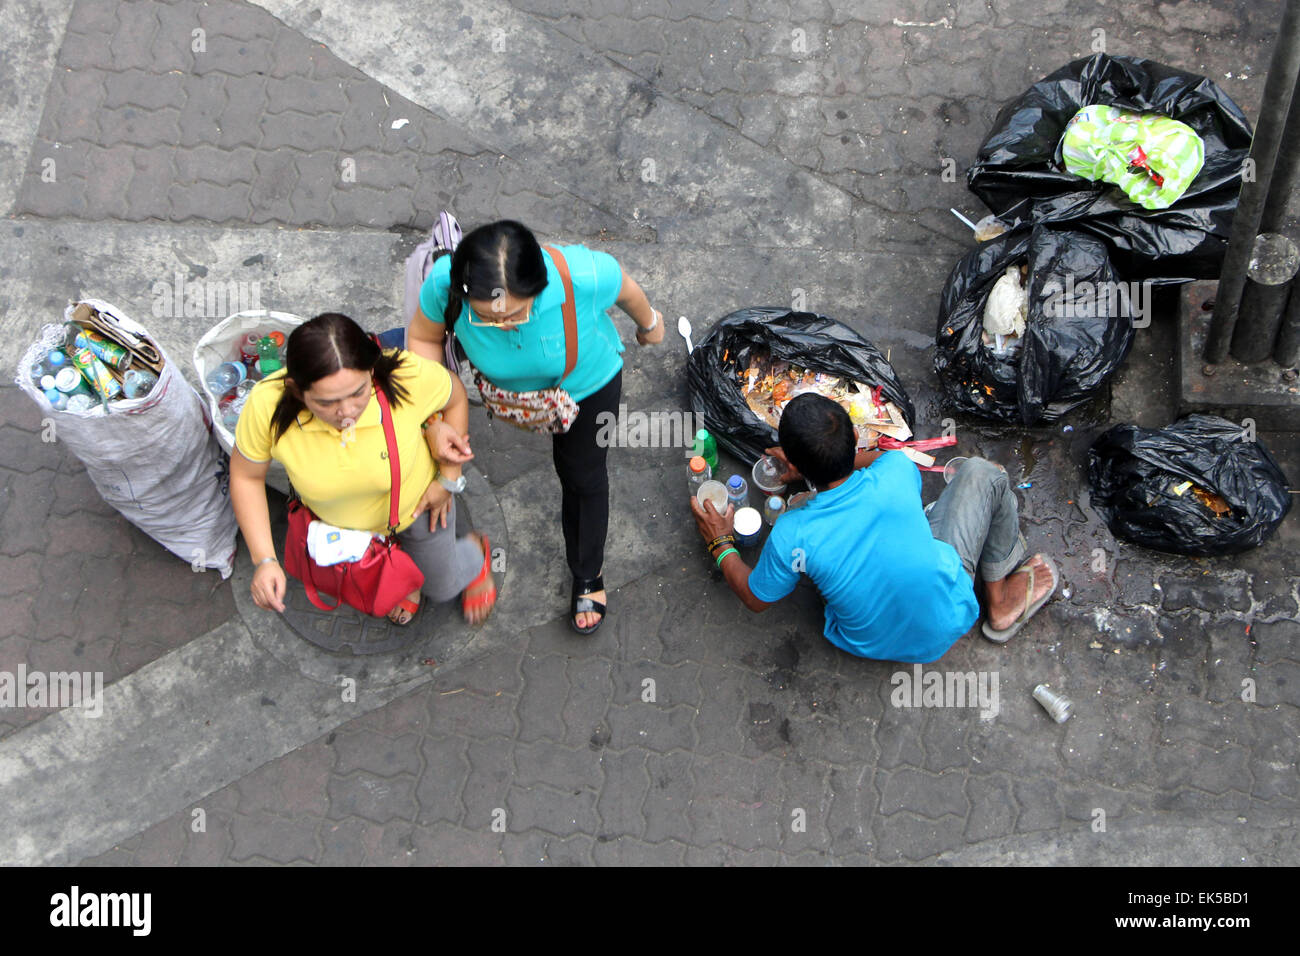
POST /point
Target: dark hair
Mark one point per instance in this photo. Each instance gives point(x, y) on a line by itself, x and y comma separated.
point(323, 346)
point(817, 437)
point(500, 255)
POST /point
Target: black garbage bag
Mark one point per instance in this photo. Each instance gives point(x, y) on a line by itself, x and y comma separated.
point(1079, 329)
point(814, 342)
point(1020, 175)
point(1198, 487)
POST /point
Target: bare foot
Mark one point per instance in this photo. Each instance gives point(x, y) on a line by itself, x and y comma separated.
point(399, 615)
point(1007, 597)
point(587, 619)
point(479, 614)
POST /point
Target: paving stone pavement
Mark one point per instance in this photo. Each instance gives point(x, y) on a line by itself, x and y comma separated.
point(761, 743)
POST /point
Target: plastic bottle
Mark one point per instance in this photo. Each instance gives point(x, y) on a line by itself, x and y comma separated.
point(706, 448)
point(773, 508)
point(80, 403)
point(56, 398)
point(247, 349)
point(225, 377)
point(699, 474)
point(137, 382)
point(737, 491)
point(268, 356)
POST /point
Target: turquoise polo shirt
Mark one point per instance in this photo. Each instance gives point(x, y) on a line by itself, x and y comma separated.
point(531, 356)
point(893, 591)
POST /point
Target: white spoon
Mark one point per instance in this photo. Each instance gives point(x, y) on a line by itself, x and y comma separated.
point(684, 327)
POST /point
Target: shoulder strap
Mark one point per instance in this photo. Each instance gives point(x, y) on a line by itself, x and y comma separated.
point(394, 467)
point(570, 313)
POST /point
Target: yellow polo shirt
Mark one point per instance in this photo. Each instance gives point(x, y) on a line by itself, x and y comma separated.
point(347, 485)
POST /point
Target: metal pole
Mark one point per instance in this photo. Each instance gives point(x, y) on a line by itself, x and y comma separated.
point(1283, 72)
point(1273, 264)
point(1287, 352)
point(1286, 171)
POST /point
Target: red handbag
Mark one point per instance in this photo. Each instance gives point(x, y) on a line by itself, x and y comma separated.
point(382, 577)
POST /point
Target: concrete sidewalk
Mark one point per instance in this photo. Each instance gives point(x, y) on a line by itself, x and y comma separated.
point(727, 155)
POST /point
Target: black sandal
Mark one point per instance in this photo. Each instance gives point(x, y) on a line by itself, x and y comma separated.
point(581, 604)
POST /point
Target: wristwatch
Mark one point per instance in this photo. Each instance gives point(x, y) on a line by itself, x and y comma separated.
point(655, 321)
point(455, 487)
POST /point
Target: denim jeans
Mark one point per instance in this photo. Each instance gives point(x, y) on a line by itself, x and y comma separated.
point(978, 515)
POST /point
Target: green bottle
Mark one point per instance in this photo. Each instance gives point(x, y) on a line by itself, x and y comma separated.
point(268, 356)
point(707, 448)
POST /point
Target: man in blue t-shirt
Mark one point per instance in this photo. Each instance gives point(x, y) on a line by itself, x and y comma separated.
point(897, 578)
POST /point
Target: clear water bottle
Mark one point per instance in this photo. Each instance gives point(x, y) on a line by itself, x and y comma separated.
point(707, 448)
point(137, 382)
point(773, 508)
point(81, 403)
point(699, 474)
point(56, 398)
point(737, 491)
point(225, 377)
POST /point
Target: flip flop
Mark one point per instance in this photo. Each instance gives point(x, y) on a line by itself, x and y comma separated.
point(1001, 637)
point(486, 598)
point(412, 607)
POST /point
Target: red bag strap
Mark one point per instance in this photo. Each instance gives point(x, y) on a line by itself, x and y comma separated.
point(570, 312)
point(394, 467)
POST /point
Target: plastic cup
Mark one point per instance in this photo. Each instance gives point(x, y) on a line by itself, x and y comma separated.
point(714, 491)
point(950, 469)
point(747, 525)
point(766, 474)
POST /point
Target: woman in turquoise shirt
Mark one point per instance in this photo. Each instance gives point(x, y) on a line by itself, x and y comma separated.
point(504, 300)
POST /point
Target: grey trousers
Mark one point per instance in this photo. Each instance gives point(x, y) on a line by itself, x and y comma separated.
point(448, 563)
point(978, 515)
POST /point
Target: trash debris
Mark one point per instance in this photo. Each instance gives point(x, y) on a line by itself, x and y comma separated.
point(150, 454)
point(1196, 487)
point(1020, 172)
point(1055, 703)
point(1152, 158)
point(398, 124)
point(1077, 332)
point(804, 351)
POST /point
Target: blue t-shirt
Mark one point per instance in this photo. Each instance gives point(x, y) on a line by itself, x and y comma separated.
point(893, 592)
point(531, 356)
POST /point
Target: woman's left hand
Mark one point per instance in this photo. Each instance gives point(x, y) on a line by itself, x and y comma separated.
point(655, 335)
point(437, 501)
point(449, 446)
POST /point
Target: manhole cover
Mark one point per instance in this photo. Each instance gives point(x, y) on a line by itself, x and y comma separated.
point(348, 631)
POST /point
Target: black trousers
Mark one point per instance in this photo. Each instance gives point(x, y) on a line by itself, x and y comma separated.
point(580, 465)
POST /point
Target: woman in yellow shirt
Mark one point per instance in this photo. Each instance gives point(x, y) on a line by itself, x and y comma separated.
point(319, 418)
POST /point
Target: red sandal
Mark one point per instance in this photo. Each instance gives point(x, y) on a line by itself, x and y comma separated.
point(485, 598)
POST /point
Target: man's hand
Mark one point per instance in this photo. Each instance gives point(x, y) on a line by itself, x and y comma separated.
point(437, 501)
point(791, 473)
point(449, 446)
point(711, 524)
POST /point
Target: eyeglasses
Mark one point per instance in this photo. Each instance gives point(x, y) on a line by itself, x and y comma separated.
point(484, 324)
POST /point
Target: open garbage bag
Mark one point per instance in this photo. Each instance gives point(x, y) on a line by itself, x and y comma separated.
point(1078, 329)
point(1020, 172)
point(1199, 487)
point(152, 458)
point(814, 342)
point(220, 344)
